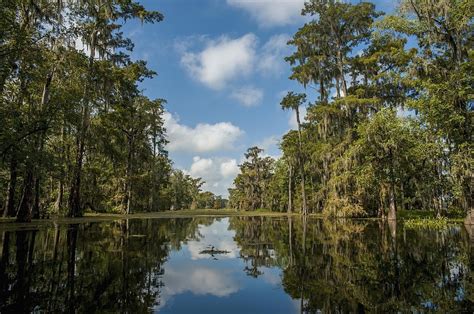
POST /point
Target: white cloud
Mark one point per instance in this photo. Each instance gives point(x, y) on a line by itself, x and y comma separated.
point(271, 12)
point(248, 96)
point(292, 120)
point(218, 173)
point(217, 235)
point(200, 166)
point(270, 147)
point(224, 60)
point(271, 59)
point(221, 61)
point(194, 274)
point(229, 168)
point(270, 275)
point(182, 277)
point(183, 44)
point(268, 143)
point(203, 137)
point(199, 280)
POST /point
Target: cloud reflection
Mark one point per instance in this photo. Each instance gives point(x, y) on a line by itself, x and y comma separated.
point(199, 274)
point(216, 235)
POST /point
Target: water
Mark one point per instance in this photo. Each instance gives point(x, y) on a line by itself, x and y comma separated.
point(234, 265)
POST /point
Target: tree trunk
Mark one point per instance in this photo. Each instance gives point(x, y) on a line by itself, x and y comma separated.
point(322, 93)
point(300, 153)
point(290, 196)
point(440, 205)
point(26, 203)
point(392, 212)
point(128, 177)
point(10, 201)
point(59, 200)
point(75, 190)
point(402, 196)
point(39, 145)
point(340, 64)
point(35, 212)
point(469, 221)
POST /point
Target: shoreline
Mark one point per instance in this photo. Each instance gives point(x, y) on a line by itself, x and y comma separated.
point(97, 217)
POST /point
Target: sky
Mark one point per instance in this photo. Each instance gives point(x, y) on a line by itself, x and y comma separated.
point(221, 69)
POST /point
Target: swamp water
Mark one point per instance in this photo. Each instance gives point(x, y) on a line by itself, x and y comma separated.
point(234, 265)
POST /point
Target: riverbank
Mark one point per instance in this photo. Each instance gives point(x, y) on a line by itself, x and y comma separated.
point(410, 216)
point(90, 217)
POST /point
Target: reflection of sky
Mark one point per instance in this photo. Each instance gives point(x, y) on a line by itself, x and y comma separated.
point(198, 283)
point(215, 235)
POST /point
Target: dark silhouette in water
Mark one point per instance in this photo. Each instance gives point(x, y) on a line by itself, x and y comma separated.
point(213, 251)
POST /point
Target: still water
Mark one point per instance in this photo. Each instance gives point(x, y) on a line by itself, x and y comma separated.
point(235, 265)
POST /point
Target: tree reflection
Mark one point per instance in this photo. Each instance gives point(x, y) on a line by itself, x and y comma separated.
point(329, 266)
point(117, 266)
point(357, 266)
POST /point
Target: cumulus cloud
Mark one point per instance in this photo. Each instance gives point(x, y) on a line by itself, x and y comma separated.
point(268, 143)
point(203, 137)
point(222, 60)
point(201, 166)
point(199, 280)
point(218, 62)
point(270, 146)
point(188, 271)
point(271, 12)
point(229, 169)
point(217, 235)
point(248, 96)
point(271, 59)
point(218, 173)
point(270, 275)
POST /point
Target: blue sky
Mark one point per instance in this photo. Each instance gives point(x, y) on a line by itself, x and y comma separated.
point(220, 67)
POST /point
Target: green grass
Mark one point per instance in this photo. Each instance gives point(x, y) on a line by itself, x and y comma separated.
point(420, 219)
point(415, 214)
point(408, 214)
point(185, 213)
point(427, 223)
point(412, 218)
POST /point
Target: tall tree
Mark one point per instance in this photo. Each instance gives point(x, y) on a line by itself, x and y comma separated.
point(293, 102)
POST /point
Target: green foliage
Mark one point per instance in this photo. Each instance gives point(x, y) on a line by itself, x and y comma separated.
point(437, 223)
point(77, 132)
point(252, 185)
point(397, 132)
point(359, 263)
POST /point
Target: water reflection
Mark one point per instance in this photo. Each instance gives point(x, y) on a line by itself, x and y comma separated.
point(274, 265)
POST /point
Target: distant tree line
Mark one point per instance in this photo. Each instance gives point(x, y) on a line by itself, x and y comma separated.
point(76, 131)
point(390, 126)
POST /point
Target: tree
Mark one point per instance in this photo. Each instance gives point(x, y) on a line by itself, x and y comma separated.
point(58, 105)
point(252, 183)
point(293, 102)
point(100, 33)
point(397, 130)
